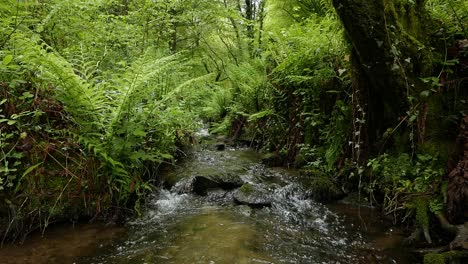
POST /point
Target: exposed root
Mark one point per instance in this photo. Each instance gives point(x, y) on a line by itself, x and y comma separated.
point(461, 240)
point(427, 235)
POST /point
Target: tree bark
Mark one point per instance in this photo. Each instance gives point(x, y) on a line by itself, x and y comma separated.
point(250, 20)
point(385, 42)
point(457, 192)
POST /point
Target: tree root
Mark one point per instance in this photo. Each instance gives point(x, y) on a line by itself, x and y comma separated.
point(453, 252)
point(427, 236)
point(460, 231)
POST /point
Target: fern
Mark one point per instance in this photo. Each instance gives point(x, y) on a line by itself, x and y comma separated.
point(83, 101)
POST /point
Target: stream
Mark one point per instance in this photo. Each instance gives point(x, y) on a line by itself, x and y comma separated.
point(179, 226)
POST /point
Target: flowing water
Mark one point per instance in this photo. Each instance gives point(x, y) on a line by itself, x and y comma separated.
point(186, 228)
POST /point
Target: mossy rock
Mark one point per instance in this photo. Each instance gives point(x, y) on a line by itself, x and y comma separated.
point(246, 189)
point(453, 256)
point(321, 186)
point(434, 258)
point(252, 195)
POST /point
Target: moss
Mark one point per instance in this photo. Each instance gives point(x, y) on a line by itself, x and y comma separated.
point(455, 255)
point(434, 258)
point(422, 216)
point(442, 258)
point(246, 189)
point(322, 186)
point(440, 149)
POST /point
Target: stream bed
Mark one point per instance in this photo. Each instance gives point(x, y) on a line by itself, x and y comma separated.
point(178, 226)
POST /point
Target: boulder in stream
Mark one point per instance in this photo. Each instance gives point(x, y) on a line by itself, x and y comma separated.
point(252, 195)
point(201, 185)
point(320, 186)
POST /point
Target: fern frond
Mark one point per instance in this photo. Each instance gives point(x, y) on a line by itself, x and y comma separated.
point(82, 100)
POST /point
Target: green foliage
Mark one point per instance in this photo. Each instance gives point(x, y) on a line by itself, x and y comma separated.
point(299, 65)
point(452, 15)
point(289, 12)
point(411, 175)
point(336, 133)
point(96, 94)
point(407, 184)
point(86, 115)
point(321, 184)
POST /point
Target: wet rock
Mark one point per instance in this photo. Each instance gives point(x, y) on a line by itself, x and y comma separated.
point(198, 185)
point(219, 195)
point(220, 146)
point(201, 185)
point(253, 196)
point(320, 186)
point(244, 210)
point(229, 181)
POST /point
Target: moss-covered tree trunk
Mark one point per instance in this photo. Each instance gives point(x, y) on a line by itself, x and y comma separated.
point(387, 37)
point(458, 179)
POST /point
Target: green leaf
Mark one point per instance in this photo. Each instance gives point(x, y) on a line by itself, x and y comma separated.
point(259, 115)
point(26, 95)
point(29, 170)
point(139, 133)
point(166, 156)
point(7, 59)
point(425, 93)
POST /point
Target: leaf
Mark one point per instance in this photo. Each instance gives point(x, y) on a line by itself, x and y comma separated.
point(333, 91)
point(29, 170)
point(139, 133)
point(259, 115)
point(425, 93)
point(7, 59)
point(26, 95)
point(166, 156)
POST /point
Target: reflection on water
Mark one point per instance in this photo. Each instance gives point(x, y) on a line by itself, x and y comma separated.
point(182, 228)
point(61, 244)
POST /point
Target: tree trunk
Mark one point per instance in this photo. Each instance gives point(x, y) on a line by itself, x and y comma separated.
point(261, 19)
point(386, 38)
point(249, 17)
point(457, 192)
point(173, 41)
